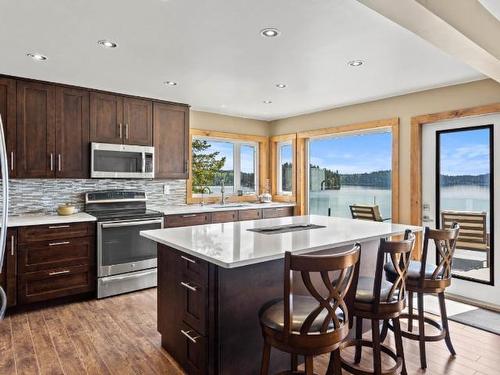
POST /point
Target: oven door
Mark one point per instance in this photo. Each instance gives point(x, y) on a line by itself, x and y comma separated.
point(121, 249)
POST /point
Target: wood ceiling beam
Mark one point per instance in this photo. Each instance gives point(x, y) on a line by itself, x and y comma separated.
point(463, 29)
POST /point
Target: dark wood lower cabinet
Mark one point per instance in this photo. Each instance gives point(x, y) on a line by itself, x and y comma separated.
point(274, 212)
point(55, 261)
point(185, 220)
point(61, 282)
point(213, 328)
point(8, 276)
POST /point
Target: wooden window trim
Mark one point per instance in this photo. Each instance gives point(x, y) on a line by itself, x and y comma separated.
point(274, 142)
point(263, 159)
point(417, 122)
point(303, 137)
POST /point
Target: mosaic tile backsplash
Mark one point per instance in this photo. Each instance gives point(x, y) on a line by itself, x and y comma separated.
point(44, 195)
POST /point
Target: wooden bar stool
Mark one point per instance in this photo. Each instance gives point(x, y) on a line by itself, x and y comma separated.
point(311, 324)
point(379, 300)
point(428, 278)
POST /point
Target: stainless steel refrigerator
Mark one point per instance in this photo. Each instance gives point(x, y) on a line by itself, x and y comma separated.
point(4, 213)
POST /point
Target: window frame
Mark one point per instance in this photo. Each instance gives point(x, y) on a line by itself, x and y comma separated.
point(277, 194)
point(302, 158)
point(260, 145)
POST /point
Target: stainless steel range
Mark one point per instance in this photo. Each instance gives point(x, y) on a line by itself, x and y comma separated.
point(125, 260)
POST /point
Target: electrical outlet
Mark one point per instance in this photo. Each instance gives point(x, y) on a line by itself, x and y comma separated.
point(166, 189)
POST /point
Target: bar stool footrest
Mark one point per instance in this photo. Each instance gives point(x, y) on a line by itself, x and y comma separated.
point(358, 370)
point(414, 336)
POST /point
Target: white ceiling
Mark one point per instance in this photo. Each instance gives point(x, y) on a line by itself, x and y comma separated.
point(213, 49)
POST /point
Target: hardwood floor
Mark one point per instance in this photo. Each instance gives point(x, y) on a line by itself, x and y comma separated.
point(118, 336)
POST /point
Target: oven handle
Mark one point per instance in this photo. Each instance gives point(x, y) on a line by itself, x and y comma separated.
point(134, 275)
point(131, 223)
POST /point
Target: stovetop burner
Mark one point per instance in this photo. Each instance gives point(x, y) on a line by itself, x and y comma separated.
point(107, 205)
point(124, 214)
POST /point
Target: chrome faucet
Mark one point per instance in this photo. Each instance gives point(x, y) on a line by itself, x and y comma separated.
point(203, 191)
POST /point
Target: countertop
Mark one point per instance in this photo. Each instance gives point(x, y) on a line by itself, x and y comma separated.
point(45, 219)
point(196, 208)
point(232, 245)
point(36, 219)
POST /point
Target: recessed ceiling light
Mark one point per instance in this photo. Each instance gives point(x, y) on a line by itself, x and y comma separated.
point(270, 32)
point(170, 83)
point(107, 43)
point(355, 63)
point(267, 101)
point(37, 56)
point(280, 85)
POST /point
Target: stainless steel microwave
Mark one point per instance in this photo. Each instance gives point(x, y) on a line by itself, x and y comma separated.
point(121, 161)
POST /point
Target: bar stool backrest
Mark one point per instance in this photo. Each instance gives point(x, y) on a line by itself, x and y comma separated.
point(399, 254)
point(445, 241)
point(337, 284)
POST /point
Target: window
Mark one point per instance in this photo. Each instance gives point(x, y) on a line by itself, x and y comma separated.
point(349, 169)
point(217, 161)
point(464, 194)
point(284, 168)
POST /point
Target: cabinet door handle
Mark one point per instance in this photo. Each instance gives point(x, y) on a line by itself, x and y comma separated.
point(12, 160)
point(59, 243)
point(126, 131)
point(120, 130)
point(59, 162)
point(186, 166)
point(58, 226)
point(191, 338)
point(189, 286)
point(12, 244)
point(51, 161)
point(188, 259)
point(58, 272)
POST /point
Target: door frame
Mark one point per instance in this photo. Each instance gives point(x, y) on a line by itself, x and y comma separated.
point(417, 122)
point(491, 197)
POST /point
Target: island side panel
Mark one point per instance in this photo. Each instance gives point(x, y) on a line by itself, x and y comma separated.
point(241, 293)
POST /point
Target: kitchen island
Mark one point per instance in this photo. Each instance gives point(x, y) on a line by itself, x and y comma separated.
point(212, 280)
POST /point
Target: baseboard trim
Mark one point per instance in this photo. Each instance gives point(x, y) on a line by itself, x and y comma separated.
point(473, 302)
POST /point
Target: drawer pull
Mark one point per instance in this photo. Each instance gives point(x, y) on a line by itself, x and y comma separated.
point(189, 286)
point(59, 243)
point(190, 215)
point(191, 338)
point(58, 272)
point(188, 259)
point(12, 245)
point(58, 226)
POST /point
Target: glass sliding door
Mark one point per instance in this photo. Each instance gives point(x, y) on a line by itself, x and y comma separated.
point(464, 194)
point(350, 169)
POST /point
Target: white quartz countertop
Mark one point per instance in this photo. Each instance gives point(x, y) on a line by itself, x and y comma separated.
point(196, 208)
point(232, 245)
point(36, 219)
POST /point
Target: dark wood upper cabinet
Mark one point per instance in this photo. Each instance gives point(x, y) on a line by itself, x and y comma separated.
point(138, 122)
point(35, 129)
point(72, 133)
point(118, 119)
point(106, 118)
point(8, 112)
point(171, 140)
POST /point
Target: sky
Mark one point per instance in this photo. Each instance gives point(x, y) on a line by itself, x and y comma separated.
point(465, 153)
point(226, 150)
point(358, 153)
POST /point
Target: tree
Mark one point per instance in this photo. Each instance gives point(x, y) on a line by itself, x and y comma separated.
point(205, 165)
